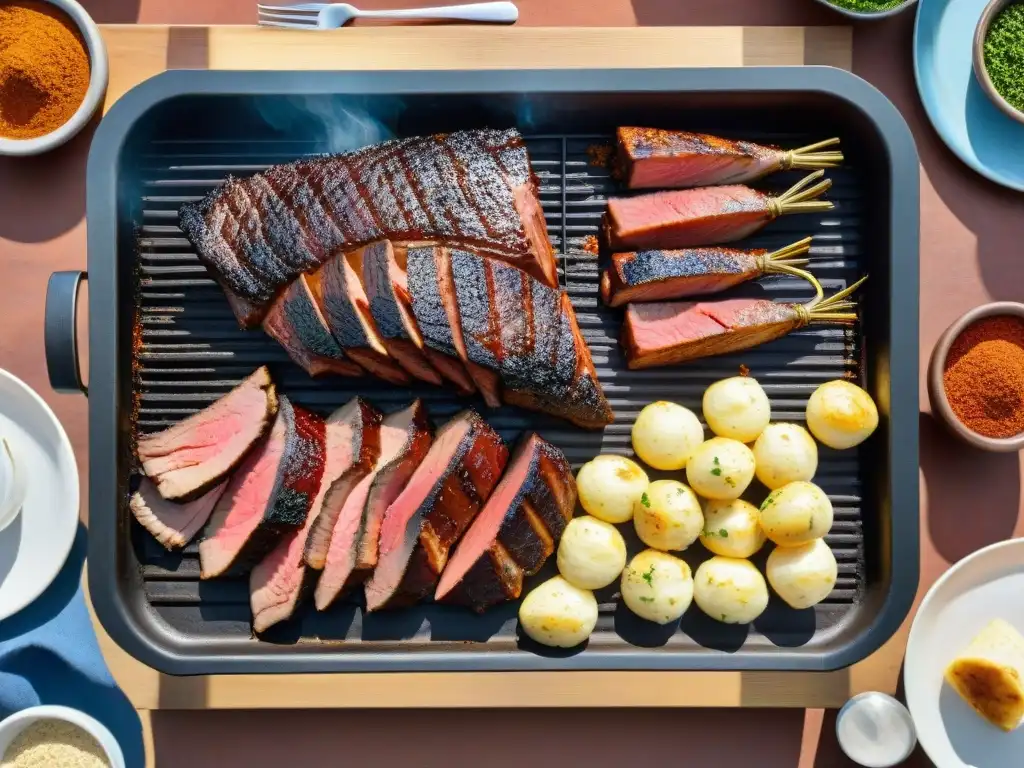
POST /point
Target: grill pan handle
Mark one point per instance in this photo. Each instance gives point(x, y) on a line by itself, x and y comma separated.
point(61, 334)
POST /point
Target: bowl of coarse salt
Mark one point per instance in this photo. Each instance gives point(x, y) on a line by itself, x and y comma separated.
point(57, 737)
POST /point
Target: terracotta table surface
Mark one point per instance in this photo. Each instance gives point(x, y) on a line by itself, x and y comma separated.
point(971, 231)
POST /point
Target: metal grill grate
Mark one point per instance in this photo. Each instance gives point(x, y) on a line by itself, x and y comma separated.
point(192, 352)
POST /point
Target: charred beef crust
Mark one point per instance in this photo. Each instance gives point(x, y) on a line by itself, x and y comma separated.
point(494, 578)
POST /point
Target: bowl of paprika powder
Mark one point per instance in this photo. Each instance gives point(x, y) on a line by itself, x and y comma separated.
point(53, 73)
point(976, 377)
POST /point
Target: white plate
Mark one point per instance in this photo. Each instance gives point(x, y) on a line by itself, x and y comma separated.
point(34, 547)
point(986, 585)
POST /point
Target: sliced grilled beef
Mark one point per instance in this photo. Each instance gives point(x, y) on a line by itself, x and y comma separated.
point(363, 427)
point(339, 294)
point(657, 275)
point(297, 324)
point(469, 188)
point(432, 316)
point(516, 531)
point(172, 524)
point(441, 499)
point(281, 581)
point(388, 295)
point(269, 495)
point(192, 457)
point(405, 437)
point(528, 332)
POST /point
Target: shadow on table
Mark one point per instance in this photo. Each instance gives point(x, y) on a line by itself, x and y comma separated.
point(49, 655)
point(731, 12)
point(973, 506)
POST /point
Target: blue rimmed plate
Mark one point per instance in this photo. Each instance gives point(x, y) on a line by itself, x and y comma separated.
point(972, 126)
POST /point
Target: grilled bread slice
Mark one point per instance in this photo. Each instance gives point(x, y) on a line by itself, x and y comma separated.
point(989, 675)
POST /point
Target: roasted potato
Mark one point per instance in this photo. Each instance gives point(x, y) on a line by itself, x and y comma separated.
point(665, 434)
point(737, 408)
point(609, 487)
point(803, 575)
point(841, 414)
point(591, 554)
point(720, 468)
point(732, 528)
point(730, 590)
point(796, 513)
point(657, 587)
point(784, 453)
point(558, 614)
point(668, 516)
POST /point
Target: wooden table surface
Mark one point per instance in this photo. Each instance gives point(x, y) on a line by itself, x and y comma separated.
point(970, 236)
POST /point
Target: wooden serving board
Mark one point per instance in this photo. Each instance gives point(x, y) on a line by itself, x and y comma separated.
point(140, 52)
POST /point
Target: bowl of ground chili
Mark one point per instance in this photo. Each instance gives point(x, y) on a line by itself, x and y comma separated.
point(999, 55)
point(53, 73)
point(976, 377)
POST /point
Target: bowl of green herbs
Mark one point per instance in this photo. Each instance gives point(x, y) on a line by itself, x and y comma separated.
point(999, 55)
point(868, 9)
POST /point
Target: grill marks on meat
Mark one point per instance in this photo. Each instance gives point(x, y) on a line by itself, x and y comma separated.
point(361, 421)
point(650, 158)
point(297, 324)
point(387, 294)
point(469, 188)
point(193, 456)
point(657, 275)
point(269, 495)
point(673, 332)
point(405, 437)
point(339, 293)
point(516, 531)
point(441, 499)
point(687, 218)
point(172, 524)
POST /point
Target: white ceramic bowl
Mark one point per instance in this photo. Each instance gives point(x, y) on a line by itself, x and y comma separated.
point(93, 96)
point(16, 723)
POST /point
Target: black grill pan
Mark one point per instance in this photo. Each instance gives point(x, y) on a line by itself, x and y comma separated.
point(164, 343)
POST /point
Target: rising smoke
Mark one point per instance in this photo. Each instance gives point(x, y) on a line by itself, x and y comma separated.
point(335, 123)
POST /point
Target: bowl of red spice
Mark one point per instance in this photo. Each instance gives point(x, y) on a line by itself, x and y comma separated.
point(976, 377)
point(53, 73)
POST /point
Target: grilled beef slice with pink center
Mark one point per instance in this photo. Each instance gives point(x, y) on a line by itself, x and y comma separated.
point(364, 434)
point(383, 280)
point(405, 437)
point(675, 274)
point(339, 294)
point(651, 158)
point(516, 531)
point(281, 581)
point(297, 324)
point(172, 524)
point(470, 188)
point(268, 496)
point(192, 457)
point(674, 332)
point(439, 502)
point(432, 316)
point(686, 218)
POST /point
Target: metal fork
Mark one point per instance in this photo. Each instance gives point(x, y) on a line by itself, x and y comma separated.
point(335, 15)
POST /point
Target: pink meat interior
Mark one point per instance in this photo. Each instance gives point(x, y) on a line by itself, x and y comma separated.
point(275, 583)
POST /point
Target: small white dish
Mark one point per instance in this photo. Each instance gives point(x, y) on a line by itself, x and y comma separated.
point(13, 482)
point(34, 547)
point(981, 587)
point(16, 723)
point(98, 77)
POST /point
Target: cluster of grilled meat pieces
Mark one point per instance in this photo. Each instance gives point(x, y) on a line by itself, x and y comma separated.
point(307, 504)
point(420, 259)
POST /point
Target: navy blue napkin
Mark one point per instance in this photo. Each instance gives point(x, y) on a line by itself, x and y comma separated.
point(49, 655)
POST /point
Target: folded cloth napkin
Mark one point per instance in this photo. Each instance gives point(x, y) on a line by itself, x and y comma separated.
point(49, 655)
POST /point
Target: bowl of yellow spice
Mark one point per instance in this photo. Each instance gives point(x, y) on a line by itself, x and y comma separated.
point(53, 73)
point(999, 55)
point(57, 737)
